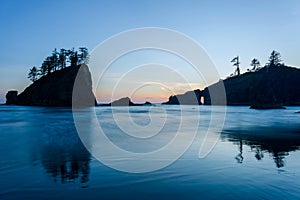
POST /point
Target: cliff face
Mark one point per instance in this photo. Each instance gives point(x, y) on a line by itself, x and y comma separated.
point(278, 85)
point(56, 89)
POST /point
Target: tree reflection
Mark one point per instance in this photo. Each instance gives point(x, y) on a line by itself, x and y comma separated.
point(278, 148)
point(239, 158)
point(258, 152)
point(68, 164)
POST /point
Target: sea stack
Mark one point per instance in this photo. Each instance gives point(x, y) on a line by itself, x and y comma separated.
point(56, 89)
point(11, 97)
point(126, 101)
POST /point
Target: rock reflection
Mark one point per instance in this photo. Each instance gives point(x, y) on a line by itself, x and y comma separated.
point(278, 147)
point(61, 151)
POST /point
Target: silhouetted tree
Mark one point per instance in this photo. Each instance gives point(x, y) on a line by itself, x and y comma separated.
point(58, 60)
point(33, 74)
point(255, 64)
point(62, 58)
point(236, 63)
point(48, 65)
point(54, 60)
point(68, 54)
point(274, 59)
point(73, 57)
point(43, 69)
point(83, 56)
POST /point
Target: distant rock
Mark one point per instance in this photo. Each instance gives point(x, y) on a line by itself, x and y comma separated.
point(267, 106)
point(123, 102)
point(126, 101)
point(11, 97)
point(298, 112)
point(147, 103)
point(188, 98)
point(56, 89)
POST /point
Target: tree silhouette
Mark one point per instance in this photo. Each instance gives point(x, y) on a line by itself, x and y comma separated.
point(43, 69)
point(255, 64)
point(48, 64)
point(54, 60)
point(236, 63)
point(73, 57)
point(33, 74)
point(274, 59)
point(62, 58)
point(58, 60)
point(83, 56)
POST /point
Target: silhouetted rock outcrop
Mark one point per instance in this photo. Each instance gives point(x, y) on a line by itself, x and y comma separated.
point(11, 97)
point(56, 89)
point(122, 102)
point(279, 86)
point(147, 103)
point(126, 101)
point(188, 98)
point(259, 106)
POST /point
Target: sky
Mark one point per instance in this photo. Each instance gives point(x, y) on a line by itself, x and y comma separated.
point(31, 29)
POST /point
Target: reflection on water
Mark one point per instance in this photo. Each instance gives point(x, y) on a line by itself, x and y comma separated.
point(66, 164)
point(60, 150)
point(277, 147)
point(43, 157)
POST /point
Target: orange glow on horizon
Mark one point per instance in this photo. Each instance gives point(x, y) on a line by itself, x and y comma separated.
point(157, 95)
point(135, 98)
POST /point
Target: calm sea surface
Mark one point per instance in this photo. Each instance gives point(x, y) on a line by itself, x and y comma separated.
point(257, 155)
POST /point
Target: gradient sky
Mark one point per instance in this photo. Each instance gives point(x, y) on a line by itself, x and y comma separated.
point(30, 30)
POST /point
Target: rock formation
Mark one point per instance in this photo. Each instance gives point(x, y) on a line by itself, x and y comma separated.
point(275, 87)
point(11, 97)
point(188, 98)
point(56, 89)
point(126, 101)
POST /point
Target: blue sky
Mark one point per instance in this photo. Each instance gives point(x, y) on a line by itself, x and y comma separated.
point(30, 30)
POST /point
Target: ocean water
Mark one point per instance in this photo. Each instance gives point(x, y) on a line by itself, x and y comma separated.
point(255, 154)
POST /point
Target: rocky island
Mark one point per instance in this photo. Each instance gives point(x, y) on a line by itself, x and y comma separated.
point(55, 89)
point(277, 87)
point(126, 101)
point(53, 83)
point(271, 87)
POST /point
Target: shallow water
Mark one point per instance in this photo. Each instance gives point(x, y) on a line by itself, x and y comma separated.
point(256, 156)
